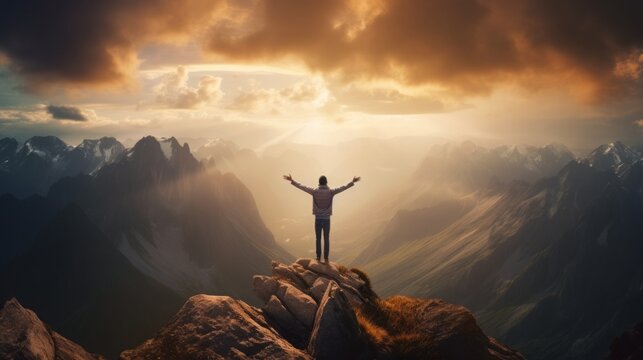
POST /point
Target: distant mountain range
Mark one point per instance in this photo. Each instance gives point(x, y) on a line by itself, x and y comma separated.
point(42, 160)
point(441, 189)
point(554, 267)
point(113, 250)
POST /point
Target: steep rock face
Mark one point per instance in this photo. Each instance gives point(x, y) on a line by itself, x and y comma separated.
point(216, 327)
point(24, 336)
point(350, 322)
point(337, 334)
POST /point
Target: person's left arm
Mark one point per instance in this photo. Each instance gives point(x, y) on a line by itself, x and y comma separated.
point(349, 185)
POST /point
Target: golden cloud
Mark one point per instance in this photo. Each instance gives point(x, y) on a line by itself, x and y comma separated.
point(465, 46)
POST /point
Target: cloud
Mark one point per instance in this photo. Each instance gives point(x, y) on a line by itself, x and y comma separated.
point(61, 112)
point(91, 42)
point(23, 115)
point(173, 90)
point(593, 48)
point(311, 94)
point(466, 46)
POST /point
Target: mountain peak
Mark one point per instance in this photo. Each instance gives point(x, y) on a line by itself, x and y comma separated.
point(615, 155)
point(169, 148)
point(44, 146)
point(107, 149)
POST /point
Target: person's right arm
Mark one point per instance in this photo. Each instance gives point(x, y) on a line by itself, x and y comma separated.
point(298, 185)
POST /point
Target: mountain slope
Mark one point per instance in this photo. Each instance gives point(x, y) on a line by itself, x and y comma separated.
point(534, 261)
point(176, 222)
point(106, 256)
point(78, 282)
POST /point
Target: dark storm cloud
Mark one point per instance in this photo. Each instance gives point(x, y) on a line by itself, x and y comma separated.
point(89, 42)
point(593, 47)
point(465, 45)
point(61, 112)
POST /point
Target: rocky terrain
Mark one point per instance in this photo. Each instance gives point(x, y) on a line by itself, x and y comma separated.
point(24, 336)
point(321, 311)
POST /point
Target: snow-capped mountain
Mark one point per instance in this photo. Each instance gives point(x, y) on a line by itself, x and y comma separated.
point(45, 147)
point(616, 156)
point(42, 160)
point(92, 154)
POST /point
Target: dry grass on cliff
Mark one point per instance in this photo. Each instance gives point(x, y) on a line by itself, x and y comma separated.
point(392, 327)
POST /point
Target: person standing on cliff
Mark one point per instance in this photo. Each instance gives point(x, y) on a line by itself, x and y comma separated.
point(322, 208)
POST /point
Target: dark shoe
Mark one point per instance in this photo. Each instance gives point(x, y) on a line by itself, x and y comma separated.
point(318, 258)
point(325, 260)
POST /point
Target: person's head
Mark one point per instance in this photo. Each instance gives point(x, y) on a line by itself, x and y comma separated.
point(323, 180)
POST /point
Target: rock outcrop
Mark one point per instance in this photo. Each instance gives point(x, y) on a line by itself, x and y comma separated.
point(216, 327)
point(24, 336)
point(321, 311)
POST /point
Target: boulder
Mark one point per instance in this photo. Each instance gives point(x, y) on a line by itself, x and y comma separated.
point(318, 288)
point(303, 262)
point(286, 322)
point(354, 297)
point(438, 330)
point(265, 286)
point(332, 271)
point(308, 276)
point(24, 336)
point(216, 327)
point(336, 333)
point(298, 303)
point(289, 274)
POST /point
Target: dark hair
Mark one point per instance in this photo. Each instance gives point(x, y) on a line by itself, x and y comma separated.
point(323, 180)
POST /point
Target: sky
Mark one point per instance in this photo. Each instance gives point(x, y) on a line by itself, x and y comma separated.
point(319, 72)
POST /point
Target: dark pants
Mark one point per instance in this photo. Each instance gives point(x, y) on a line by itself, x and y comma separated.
point(322, 224)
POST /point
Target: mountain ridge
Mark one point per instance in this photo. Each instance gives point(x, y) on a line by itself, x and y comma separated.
point(506, 248)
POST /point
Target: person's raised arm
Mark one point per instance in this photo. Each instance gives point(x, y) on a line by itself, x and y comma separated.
point(298, 185)
point(350, 184)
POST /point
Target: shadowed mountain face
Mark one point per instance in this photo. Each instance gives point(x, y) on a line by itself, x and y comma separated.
point(155, 222)
point(175, 221)
point(42, 160)
point(79, 282)
point(553, 268)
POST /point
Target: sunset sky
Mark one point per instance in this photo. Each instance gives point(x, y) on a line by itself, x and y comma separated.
point(313, 71)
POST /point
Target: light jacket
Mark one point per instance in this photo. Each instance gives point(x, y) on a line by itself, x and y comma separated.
point(322, 198)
